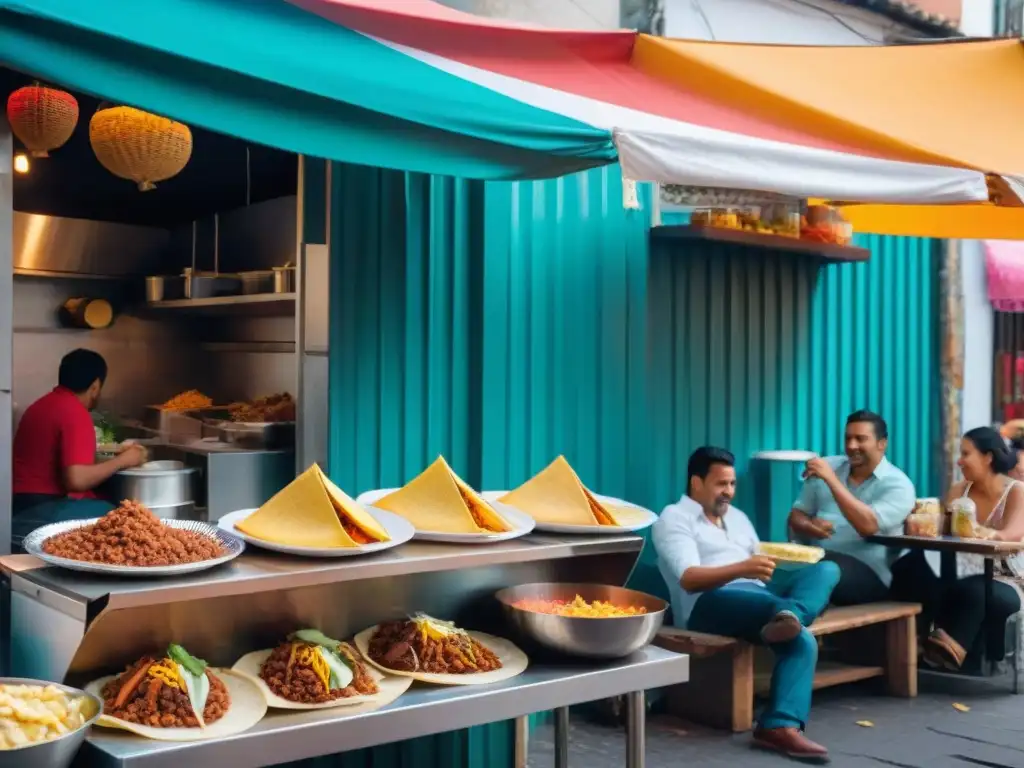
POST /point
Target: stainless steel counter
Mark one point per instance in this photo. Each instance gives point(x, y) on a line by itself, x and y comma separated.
point(283, 737)
point(75, 627)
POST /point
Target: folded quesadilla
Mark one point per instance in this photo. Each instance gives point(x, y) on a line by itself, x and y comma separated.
point(439, 501)
point(311, 511)
point(556, 495)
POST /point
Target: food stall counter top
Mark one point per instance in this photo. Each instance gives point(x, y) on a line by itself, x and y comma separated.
point(289, 736)
point(258, 571)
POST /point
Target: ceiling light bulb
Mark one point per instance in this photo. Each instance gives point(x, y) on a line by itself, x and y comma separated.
point(21, 163)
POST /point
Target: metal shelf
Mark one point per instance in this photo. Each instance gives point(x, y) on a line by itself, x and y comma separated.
point(255, 304)
point(423, 710)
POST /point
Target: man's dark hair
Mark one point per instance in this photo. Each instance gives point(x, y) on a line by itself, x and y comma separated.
point(872, 418)
point(80, 368)
point(703, 459)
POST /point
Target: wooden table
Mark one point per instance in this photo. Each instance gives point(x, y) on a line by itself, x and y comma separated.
point(948, 547)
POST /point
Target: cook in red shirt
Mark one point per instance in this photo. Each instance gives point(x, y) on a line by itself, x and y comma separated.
point(55, 470)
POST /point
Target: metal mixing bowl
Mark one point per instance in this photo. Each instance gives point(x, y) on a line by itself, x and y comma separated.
point(610, 638)
point(49, 754)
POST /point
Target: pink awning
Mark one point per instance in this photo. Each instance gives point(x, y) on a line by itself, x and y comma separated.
point(1004, 263)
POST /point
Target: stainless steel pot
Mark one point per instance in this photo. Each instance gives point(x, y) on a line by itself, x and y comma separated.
point(161, 288)
point(166, 487)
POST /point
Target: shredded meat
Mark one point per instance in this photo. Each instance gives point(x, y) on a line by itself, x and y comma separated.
point(172, 706)
point(400, 645)
point(304, 687)
point(132, 535)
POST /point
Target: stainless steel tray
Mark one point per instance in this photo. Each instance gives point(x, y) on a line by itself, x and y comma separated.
point(33, 545)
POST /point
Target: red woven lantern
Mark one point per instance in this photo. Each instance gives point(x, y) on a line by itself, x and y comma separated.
point(42, 118)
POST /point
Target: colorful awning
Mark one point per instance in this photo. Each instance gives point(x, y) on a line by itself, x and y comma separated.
point(955, 103)
point(414, 85)
point(1004, 265)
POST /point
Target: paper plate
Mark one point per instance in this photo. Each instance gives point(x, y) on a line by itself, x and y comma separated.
point(399, 529)
point(513, 662)
point(636, 516)
point(247, 708)
point(796, 554)
point(521, 523)
point(390, 687)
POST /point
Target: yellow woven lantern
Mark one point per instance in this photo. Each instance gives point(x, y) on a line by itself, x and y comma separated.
point(138, 146)
point(42, 118)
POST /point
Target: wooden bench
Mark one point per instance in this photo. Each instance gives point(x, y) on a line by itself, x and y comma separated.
point(877, 640)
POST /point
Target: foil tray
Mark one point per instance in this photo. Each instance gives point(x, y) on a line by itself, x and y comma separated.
point(33, 545)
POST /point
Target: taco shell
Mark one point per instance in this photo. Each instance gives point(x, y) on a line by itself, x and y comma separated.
point(513, 662)
point(247, 708)
point(391, 688)
point(307, 513)
point(437, 500)
point(555, 495)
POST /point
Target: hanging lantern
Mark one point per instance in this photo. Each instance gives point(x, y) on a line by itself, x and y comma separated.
point(42, 118)
point(138, 146)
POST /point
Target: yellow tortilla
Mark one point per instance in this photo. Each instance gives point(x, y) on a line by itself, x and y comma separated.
point(555, 495)
point(437, 500)
point(247, 708)
point(389, 688)
point(513, 662)
point(307, 513)
point(347, 506)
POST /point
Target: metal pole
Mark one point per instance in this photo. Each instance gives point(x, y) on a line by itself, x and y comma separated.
point(636, 726)
point(562, 737)
point(522, 749)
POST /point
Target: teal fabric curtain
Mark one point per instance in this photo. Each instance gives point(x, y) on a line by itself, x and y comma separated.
point(268, 72)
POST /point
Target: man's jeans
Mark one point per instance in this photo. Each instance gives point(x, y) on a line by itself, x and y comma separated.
point(741, 610)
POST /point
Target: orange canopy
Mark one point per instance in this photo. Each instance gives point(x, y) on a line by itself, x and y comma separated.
point(951, 103)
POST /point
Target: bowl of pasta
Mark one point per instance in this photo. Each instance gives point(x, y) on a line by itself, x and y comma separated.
point(42, 725)
point(594, 621)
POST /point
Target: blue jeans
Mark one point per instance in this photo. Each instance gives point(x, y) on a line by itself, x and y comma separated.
point(741, 610)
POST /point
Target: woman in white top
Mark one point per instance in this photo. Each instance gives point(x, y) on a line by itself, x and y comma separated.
point(956, 613)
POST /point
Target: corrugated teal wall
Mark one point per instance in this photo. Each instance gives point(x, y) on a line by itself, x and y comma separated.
point(503, 323)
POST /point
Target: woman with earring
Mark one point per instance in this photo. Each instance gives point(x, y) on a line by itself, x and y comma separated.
point(955, 613)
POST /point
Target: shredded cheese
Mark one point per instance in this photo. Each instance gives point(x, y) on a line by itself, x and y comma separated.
point(309, 656)
point(167, 671)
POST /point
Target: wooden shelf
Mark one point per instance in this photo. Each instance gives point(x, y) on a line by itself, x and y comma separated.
point(260, 304)
point(823, 251)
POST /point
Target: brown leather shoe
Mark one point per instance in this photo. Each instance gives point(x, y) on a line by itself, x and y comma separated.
point(782, 628)
point(942, 650)
point(791, 743)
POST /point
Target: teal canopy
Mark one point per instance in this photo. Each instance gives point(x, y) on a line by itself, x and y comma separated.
point(271, 73)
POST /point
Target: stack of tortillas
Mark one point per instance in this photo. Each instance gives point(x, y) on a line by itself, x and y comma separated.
point(311, 511)
point(437, 500)
point(556, 496)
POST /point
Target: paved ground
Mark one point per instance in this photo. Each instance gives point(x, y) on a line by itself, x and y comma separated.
point(924, 733)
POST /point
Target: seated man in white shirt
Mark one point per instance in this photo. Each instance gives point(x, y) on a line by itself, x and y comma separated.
point(719, 585)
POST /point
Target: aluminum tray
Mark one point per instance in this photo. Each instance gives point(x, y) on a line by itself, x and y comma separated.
point(33, 545)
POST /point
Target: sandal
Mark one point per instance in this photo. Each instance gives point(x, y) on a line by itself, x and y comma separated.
point(943, 651)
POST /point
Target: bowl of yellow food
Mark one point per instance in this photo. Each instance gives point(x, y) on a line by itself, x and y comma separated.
point(42, 725)
point(594, 621)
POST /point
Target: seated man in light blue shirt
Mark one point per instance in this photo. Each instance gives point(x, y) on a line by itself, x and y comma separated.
point(706, 554)
point(847, 498)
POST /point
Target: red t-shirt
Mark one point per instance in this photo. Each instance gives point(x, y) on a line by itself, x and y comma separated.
point(55, 432)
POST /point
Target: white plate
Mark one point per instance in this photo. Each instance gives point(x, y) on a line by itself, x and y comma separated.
point(399, 529)
point(645, 517)
point(521, 522)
